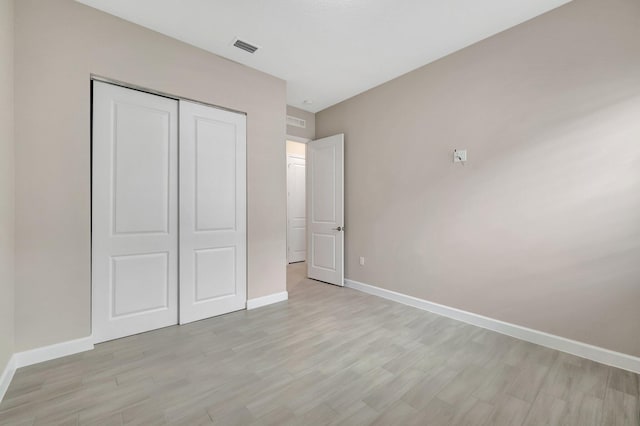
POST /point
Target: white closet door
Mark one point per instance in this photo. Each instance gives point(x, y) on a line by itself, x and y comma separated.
point(134, 212)
point(213, 231)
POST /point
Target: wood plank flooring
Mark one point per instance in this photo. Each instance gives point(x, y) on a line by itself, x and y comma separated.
point(328, 356)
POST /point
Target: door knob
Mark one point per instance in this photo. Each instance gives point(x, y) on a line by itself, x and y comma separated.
point(339, 228)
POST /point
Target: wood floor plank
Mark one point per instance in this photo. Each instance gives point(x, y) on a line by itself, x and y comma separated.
point(546, 410)
point(387, 393)
point(428, 387)
point(328, 356)
point(463, 385)
point(624, 381)
point(584, 410)
point(471, 412)
point(620, 408)
point(508, 411)
point(398, 413)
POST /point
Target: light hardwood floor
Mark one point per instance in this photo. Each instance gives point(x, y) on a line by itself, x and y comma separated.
point(327, 356)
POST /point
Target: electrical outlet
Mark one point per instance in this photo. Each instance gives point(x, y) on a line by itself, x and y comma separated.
point(361, 261)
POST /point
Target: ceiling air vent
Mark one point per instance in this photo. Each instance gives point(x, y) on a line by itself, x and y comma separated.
point(247, 47)
point(296, 122)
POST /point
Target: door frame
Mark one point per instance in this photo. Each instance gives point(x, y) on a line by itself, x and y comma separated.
point(95, 77)
point(296, 139)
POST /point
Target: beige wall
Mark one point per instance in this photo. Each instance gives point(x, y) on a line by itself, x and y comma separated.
point(310, 131)
point(296, 148)
point(59, 43)
point(541, 227)
point(6, 184)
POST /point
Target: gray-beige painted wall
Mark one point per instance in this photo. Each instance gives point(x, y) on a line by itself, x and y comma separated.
point(59, 43)
point(541, 227)
point(309, 132)
point(296, 148)
point(6, 184)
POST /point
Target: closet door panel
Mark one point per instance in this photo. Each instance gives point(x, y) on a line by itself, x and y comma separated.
point(212, 212)
point(134, 212)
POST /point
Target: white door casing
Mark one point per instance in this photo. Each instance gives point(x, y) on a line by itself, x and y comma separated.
point(213, 231)
point(134, 212)
point(296, 209)
point(325, 209)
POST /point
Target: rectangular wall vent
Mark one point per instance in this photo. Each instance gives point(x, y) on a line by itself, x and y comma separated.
point(247, 47)
point(296, 122)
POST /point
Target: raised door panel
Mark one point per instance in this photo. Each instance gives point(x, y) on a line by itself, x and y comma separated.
point(323, 177)
point(297, 243)
point(215, 273)
point(141, 194)
point(139, 284)
point(215, 160)
point(323, 251)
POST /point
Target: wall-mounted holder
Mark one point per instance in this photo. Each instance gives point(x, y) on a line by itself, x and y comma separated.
point(460, 156)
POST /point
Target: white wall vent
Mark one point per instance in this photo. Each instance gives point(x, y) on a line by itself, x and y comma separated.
point(245, 45)
point(296, 122)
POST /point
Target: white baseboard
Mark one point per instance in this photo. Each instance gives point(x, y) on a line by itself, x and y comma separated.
point(584, 350)
point(58, 350)
point(37, 355)
point(7, 375)
point(259, 302)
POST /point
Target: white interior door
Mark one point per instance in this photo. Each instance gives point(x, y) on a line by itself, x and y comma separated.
point(134, 212)
point(325, 209)
point(296, 209)
point(213, 230)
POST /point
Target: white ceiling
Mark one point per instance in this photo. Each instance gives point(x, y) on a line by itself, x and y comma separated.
point(329, 50)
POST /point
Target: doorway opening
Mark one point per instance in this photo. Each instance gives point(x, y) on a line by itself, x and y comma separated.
point(315, 210)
